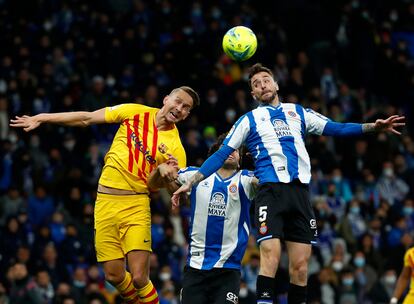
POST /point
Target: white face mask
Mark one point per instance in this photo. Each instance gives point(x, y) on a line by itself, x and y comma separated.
point(69, 144)
point(390, 279)
point(337, 266)
point(388, 172)
point(165, 276)
point(243, 292)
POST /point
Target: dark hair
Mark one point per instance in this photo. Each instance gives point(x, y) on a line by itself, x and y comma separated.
point(246, 160)
point(217, 144)
point(190, 91)
point(257, 68)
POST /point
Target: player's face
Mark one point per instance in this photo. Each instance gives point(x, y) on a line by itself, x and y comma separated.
point(177, 106)
point(232, 162)
point(264, 87)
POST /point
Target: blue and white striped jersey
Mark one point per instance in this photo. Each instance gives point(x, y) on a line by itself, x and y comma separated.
point(275, 138)
point(220, 221)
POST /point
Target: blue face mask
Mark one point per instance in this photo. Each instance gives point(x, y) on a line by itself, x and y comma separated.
point(359, 262)
point(354, 210)
point(348, 281)
point(408, 210)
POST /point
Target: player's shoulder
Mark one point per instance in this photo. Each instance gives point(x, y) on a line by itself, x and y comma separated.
point(288, 106)
point(410, 251)
point(188, 169)
point(134, 107)
point(245, 172)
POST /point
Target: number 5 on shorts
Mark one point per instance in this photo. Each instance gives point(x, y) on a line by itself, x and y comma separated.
point(262, 213)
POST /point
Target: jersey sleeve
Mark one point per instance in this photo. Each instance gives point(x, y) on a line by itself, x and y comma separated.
point(119, 113)
point(179, 153)
point(238, 133)
point(314, 121)
point(185, 174)
point(409, 259)
point(246, 181)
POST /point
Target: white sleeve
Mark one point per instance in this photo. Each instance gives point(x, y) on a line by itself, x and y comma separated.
point(314, 121)
point(246, 181)
point(238, 133)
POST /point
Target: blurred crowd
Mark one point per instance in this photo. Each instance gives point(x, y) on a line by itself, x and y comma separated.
point(349, 60)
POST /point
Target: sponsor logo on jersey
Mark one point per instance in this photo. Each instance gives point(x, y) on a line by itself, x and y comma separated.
point(114, 107)
point(232, 298)
point(217, 205)
point(139, 144)
point(204, 184)
point(281, 128)
point(291, 113)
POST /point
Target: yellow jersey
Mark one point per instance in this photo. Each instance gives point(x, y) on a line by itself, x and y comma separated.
point(138, 147)
point(409, 262)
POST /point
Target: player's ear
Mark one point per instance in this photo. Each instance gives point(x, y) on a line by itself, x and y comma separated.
point(252, 93)
point(165, 99)
point(277, 86)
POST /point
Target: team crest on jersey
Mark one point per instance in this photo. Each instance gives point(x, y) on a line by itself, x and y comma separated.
point(263, 228)
point(217, 205)
point(162, 148)
point(233, 188)
point(281, 128)
point(291, 113)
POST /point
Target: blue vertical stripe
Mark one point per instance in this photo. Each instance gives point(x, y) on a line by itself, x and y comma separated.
point(235, 259)
point(299, 110)
point(288, 145)
point(263, 162)
point(214, 229)
point(193, 207)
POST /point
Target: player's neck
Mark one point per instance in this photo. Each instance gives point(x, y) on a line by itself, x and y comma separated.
point(226, 172)
point(275, 101)
point(162, 123)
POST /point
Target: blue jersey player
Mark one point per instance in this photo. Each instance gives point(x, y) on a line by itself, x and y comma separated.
point(219, 230)
point(274, 134)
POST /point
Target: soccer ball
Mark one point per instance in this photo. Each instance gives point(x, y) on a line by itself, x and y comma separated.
point(239, 43)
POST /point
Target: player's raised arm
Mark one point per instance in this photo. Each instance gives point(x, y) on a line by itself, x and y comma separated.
point(316, 123)
point(74, 119)
point(194, 180)
point(401, 285)
point(386, 125)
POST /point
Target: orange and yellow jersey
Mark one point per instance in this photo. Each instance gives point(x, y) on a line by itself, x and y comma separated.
point(138, 147)
point(409, 262)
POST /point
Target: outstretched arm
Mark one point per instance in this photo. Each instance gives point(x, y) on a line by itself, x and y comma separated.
point(194, 180)
point(352, 129)
point(211, 165)
point(73, 119)
point(387, 125)
point(401, 285)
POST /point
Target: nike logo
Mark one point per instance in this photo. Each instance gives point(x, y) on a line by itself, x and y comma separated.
point(146, 241)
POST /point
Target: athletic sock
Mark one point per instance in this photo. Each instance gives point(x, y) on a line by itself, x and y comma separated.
point(297, 294)
point(264, 290)
point(127, 290)
point(148, 294)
